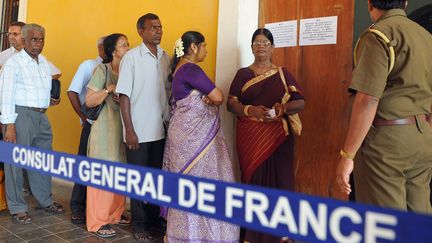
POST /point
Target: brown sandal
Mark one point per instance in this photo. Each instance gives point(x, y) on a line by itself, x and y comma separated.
point(78, 219)
point(25, 219)
point(143, 237)
point(55, 208)
point(102, 231)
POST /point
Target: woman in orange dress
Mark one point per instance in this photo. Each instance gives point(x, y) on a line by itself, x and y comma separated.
point(105, 141)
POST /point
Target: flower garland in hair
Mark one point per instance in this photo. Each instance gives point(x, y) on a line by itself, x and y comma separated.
point(179, 48)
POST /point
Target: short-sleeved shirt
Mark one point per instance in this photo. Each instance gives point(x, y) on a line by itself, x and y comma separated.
point(24, 82)
point(82, 77)
point(144, 79)
point(189, 77)
point(407, 90)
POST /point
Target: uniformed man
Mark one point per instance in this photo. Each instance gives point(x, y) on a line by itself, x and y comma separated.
point(388, 133)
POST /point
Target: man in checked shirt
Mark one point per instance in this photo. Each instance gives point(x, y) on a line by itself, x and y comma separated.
point(25, 96)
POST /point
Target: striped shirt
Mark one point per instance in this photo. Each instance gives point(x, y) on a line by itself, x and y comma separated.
point(23, 82)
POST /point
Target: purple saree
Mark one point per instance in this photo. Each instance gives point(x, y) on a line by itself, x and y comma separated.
point(196, 146)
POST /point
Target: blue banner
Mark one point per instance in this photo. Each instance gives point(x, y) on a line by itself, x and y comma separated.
point(282, 213)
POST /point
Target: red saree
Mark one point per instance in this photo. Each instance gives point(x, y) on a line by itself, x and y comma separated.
point(257, 141)
point(265, 149)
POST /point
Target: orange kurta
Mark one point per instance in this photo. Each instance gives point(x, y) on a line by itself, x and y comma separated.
point(103, 207)
point(105, 142)
point(3, 204)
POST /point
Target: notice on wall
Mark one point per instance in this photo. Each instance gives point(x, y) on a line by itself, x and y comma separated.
point(318, 31)
point(284, 33)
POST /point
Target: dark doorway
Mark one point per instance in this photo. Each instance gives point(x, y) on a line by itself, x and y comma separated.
point(423, 16)
point(9, 14)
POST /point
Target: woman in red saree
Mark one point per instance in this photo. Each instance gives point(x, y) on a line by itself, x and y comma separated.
point(266, 99)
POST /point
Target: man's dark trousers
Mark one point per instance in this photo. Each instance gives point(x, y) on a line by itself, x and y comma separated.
point(145, 216)
point(79, 195)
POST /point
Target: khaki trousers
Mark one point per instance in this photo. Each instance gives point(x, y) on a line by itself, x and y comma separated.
point(393, 167)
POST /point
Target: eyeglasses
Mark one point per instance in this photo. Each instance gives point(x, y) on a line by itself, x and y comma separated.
point(13, 33)
point(264, 43)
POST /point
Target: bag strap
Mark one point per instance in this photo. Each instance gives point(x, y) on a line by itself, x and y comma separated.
point(283, 79)
point(287, 95)
point(106, 75)
point(382, 36)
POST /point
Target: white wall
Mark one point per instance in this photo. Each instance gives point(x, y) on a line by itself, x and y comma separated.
point(22, 11)
point(238, 19)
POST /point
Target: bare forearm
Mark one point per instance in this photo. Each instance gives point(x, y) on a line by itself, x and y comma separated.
point(126, 113)
point(75, 102)
point(235, 107)
point(95, 98)
point(293, 107)
point(362, 115)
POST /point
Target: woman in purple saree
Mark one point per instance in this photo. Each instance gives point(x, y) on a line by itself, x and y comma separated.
point(195, 143)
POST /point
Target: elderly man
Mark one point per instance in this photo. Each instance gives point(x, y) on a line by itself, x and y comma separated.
point(26, 82)
point(142, 86)
point(77, 93)
point(388, 131)
point(16, 45)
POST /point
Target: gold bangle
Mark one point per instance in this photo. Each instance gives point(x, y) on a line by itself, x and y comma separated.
point(346, 155)
point(245, 110)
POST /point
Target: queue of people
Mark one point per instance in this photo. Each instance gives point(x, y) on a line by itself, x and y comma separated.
point(165, 114)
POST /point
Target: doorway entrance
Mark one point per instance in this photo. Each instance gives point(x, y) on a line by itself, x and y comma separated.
point(9, 14)
point(423, 16)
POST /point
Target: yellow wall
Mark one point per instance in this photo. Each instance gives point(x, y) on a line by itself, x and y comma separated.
point(73, 27)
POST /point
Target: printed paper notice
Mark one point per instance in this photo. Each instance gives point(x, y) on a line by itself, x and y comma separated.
point(284, 33)
point(318, 31)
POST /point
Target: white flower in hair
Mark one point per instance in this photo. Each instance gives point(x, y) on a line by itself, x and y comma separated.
point(179, 48)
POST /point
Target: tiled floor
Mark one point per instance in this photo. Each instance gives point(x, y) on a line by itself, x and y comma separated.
point(55, 228)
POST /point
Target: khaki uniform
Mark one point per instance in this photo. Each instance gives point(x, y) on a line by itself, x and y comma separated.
point(393, 166)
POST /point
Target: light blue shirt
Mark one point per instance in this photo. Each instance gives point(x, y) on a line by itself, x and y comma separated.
point(144, 79)
point(82, 77)
point(24, 82)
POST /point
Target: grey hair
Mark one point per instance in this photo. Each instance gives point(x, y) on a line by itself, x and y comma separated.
point(100, 41)
point(26, 28)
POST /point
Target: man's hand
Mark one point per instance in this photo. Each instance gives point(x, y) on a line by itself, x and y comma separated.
point(10, 134)
point(54, 101)
point(343, 172)
point(116, 98)
point(83, 120)
point(132, 140)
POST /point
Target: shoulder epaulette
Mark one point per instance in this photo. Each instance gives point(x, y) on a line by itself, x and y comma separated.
point(386, 40)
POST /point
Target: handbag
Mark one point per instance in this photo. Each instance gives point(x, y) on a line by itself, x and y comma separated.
point(92, 113)
point(294, 119)
point(55, 89)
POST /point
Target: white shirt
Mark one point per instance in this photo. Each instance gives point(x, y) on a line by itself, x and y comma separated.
point(24, 82)
point(6, 54)
point(144, 79)
point(82, 77)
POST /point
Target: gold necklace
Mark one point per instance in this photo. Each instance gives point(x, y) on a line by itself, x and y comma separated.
point(258, 71)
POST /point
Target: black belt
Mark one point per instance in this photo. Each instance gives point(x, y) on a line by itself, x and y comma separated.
point(40, 110)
